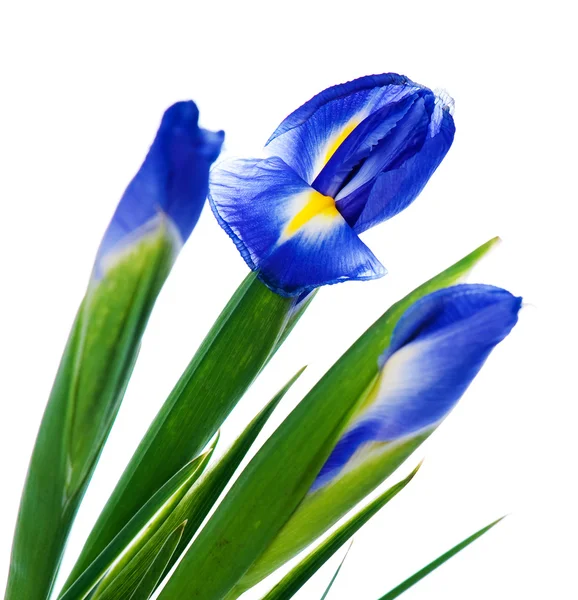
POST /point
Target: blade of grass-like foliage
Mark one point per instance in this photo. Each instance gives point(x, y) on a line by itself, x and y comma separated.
point(140, 528)
point(148, 583)
point(277, 479)
point(411, 581)
point(85, 398)
point(192, 510)
point(328, 588)
point(238, 346)
point(353, 374)
point(143, 588)
point(302, 572)
point(216, 479)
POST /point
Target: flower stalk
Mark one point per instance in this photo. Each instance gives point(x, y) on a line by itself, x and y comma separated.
point(154, 218)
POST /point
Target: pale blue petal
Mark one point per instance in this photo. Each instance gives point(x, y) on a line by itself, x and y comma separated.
point(383, 188)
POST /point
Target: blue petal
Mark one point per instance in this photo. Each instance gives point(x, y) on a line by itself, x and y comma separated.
point(367, 138)
point(258, 203)
point(453, 306)
point(307, 138)
point(350, 442)
point(172, 180)
point(313, 258)
point(437, 348)
point(372, 197)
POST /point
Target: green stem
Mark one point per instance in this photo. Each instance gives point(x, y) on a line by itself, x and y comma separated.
point(242, 341)
point(87, 392)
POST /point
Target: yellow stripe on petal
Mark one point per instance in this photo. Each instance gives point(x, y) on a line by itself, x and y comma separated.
point(316, 205)
point(338, 140)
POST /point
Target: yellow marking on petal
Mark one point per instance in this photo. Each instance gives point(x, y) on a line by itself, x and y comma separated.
point(339, 140)
point(316, 205)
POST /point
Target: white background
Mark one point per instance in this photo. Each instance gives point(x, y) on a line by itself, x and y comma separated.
point(83, 89)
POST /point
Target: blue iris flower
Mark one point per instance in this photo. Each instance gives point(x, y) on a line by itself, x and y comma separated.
point(437, 348)
point(170, 187)
point(353, 156)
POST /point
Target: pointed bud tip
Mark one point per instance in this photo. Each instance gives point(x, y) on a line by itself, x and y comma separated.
point(181, 114)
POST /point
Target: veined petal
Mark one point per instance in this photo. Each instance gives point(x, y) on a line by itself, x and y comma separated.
point(308, 138)
point(289, 232)
point(404, 140)
point(373, 196)
point(437, 348)
point(172, 182)
point(319, 254)
point(365, 139)
point(251, 199)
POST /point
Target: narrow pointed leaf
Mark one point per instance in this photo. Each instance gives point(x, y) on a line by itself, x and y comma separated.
point(411, 581)
point(145, 579)
point(350, 380)
point(191, 509)
point(328, 588)
point(302, 572)
point(140, 527)
point(86, 395)
point(280, 475)
point(241, 342)
point(152, 577)
point(197, 505)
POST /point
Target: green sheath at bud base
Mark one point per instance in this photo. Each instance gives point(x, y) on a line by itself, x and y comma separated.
point(89, 387)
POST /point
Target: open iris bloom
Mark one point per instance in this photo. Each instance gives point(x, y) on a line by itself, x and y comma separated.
point(353, 156)
point(437, 348)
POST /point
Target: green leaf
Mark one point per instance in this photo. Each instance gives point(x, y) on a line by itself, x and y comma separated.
point(146, 580)
point(241, 342)
point(295, 314)
point(275, 482)
point(328, 588)
point(153, 576)
point(192, 510)
point(410, 581)
point(202, 499)
point(140, 528)
point(322, 508)
point(302, 572)
point(89, 387)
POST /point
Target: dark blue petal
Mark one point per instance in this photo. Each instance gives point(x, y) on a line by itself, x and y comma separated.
point(172, 180)
point(347, 446)
point(337, 92)
point(258, 203)
point(449, 306)
point(251, 199)
point(437, 348)
point(307, 138)
point(366, 139)
point(390, 192)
